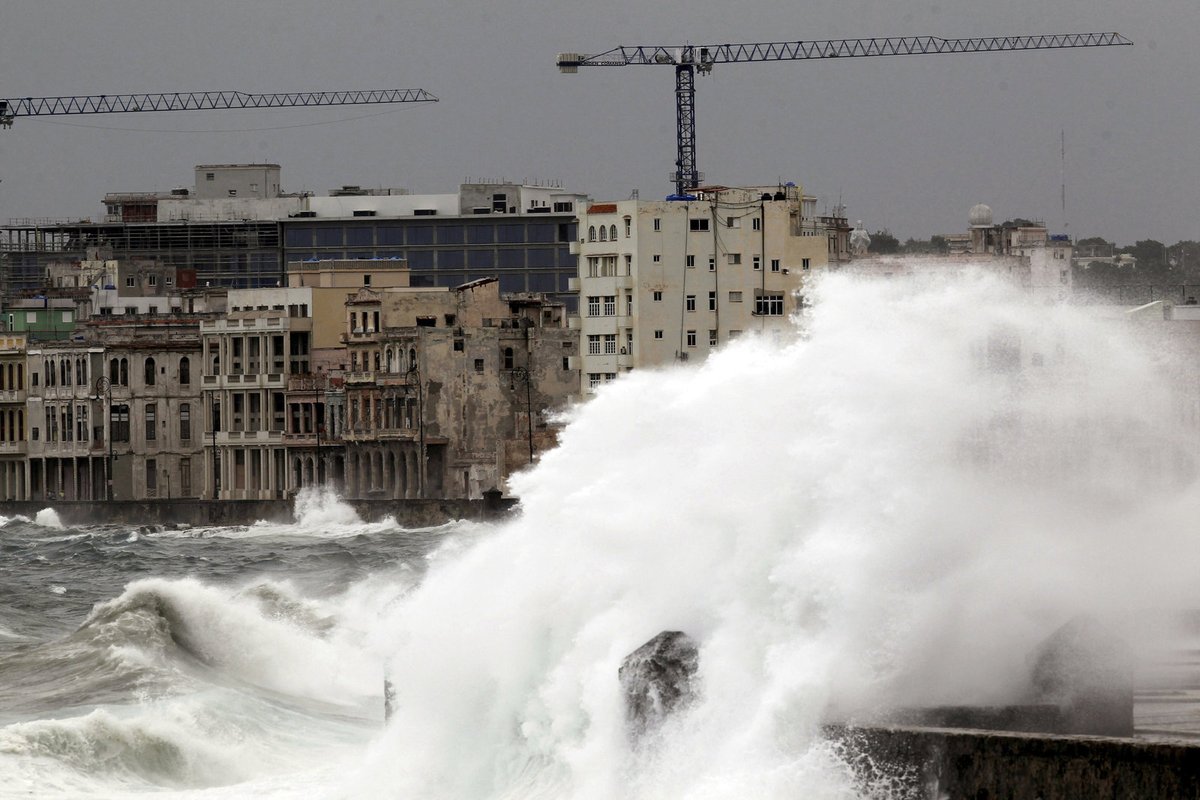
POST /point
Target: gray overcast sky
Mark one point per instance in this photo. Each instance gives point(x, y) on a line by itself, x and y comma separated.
point(906, 143)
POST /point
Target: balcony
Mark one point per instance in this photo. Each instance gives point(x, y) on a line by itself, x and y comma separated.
point(360, 377)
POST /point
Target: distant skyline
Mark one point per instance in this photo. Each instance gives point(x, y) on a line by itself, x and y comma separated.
point(908, 143)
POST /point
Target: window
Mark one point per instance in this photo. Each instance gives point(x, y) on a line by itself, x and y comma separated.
point(657, 224)
point(757, 260)
point(804, 263)
point(735, 297)
point(130, 282)
point(508, 358)
point(185, 422)
point(603, 234)
point(657, 258)
point(185, 476)
point(149, 370)
point(118, 423)
point(593, 380)
point(712, 301)
point(691, 302)
point(593, 342)
point(657, 297)
point(628, 227)
point(479, 365)
point(152, 472)
point(769, 304)
point(610, 305)
point(612, 232)
point(593, 305)
point(658, 334)
point(698, 224)
point(185, 371)
point(712, 264)
point(610, 344)
point(775, 264)
point(208, 176)
point(691, 261)
point(691, 338)
point(712, 334)
point(66, 316)
point(757, 224)
point(152, 280)
point(734, 258)
point(151, 413)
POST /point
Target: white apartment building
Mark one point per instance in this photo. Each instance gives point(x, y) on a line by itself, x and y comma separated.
point(663, 281)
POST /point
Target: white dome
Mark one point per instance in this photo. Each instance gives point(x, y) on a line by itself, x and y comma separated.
point(980, 216)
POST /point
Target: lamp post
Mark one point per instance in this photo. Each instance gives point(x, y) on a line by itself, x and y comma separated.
point(524, 375)
point(411, 376)
point(215, 422)
point(104, 387)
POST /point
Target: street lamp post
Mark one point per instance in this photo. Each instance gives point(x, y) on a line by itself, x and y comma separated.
point(215, 421)
point(104, 387)
point(413, 375)
point(524, 375)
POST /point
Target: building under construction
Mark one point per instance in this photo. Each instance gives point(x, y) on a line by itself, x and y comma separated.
point(236, 229)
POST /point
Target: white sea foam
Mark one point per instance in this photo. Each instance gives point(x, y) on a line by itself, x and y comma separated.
point(48, 518)
point(882, 513)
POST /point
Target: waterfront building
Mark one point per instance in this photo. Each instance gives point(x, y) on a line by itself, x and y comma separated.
point(249, 354)
point(448, 389)
point(14, 462)
point(670, 281)
point(66, 441)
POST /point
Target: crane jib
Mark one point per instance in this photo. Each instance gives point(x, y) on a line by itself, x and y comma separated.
point(689, 58)
point(196, 101)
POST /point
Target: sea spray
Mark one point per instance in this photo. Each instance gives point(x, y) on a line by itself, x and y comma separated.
point(890, 512)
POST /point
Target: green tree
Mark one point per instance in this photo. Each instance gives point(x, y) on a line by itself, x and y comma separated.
point(884, 243)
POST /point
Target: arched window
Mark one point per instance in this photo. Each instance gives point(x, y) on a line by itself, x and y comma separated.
point(124, 372)
point(508, 358)
point(391, 360)
point(603, 234)
point(612, 232)
point(185, 370)
point(149, 371)
point(591, 233)
point(64, 372)
point(412, 358)
point(113, 375)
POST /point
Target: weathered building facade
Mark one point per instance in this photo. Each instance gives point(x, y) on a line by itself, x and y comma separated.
point(448, 389)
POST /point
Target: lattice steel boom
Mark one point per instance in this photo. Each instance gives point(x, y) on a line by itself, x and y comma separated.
point(195, 101)
point(688, 58)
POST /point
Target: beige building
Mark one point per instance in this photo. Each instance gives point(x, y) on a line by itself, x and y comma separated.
point(673, 280)
point(65, 418)
point(14, 477)
point(153, 393)
point(448, 388)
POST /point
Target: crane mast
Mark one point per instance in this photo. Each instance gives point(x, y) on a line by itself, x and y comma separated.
point(12, 108)
point(688, 59)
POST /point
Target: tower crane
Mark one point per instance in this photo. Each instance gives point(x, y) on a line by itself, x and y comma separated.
point(689, 59)
point(12, 108)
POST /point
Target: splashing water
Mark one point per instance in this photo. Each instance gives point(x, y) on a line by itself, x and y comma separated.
point(48, 518)
point(892, 511)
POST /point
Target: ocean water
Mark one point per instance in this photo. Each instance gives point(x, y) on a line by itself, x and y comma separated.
point(890, 508)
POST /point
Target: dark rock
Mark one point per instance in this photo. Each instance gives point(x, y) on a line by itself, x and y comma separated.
point(657, 679)
point(1088, 672)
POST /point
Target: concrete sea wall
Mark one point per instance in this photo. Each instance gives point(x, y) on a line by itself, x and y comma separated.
point(408, 513)
point(947, 764)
